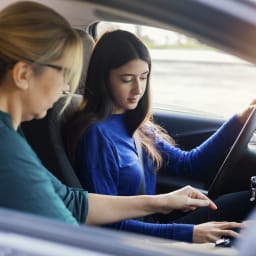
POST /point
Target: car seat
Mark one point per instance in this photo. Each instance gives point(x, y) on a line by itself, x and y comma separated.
point(88, 44)
point(45, 135)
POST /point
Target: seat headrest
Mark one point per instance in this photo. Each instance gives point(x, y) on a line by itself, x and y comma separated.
point(88, 45)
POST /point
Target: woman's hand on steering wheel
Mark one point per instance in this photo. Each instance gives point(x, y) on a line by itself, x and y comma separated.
point(243, 115)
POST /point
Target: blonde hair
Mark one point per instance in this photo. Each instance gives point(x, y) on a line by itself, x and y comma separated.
point(32, 31)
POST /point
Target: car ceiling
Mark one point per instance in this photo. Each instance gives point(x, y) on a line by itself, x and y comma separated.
point(228, 24)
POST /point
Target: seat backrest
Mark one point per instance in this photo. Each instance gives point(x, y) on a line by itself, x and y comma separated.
point(45, 135)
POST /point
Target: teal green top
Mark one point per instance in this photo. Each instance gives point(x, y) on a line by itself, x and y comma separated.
point(26, 185)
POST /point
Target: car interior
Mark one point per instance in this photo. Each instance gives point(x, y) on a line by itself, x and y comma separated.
point(235, 22)
point(30, 235)
point(45, 136)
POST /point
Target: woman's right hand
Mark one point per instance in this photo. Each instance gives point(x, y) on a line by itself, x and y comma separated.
point(210, 232)
point(185, 199)
point(117, 208)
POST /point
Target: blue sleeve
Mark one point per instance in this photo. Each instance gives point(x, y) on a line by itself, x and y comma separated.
point(181, 232)
point(192, 163)
point(96, 163)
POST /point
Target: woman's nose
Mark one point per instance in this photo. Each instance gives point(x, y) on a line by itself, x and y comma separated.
point(137, 88)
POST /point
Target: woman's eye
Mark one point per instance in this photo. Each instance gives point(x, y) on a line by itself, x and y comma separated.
point(126, 79)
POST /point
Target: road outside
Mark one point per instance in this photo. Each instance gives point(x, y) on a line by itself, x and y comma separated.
point(205, 81)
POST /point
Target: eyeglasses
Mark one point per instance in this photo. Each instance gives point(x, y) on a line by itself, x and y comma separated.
point(56, 67)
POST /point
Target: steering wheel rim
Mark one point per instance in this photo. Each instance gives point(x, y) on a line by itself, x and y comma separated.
point(218, 185)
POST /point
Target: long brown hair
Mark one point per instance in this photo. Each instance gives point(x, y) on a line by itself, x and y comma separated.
point(113, 50)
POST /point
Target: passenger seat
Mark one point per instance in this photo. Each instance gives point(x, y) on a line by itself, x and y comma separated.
point(45, 135)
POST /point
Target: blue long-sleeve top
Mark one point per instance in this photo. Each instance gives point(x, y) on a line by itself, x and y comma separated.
point(107, 163)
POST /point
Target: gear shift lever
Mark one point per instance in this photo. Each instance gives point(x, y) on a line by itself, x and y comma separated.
point(253, 188)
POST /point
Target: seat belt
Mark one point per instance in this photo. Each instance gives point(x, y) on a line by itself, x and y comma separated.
point(137, 140)
point(140, 156)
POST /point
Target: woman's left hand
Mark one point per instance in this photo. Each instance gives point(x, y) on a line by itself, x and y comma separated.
point(243, 116)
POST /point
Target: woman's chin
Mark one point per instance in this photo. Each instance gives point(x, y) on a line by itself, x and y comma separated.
point(38, 115)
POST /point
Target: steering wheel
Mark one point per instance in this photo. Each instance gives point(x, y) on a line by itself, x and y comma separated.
point(222, 178)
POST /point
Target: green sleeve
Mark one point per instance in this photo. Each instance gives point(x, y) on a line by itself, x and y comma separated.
point(75, 199)
point(27, 186)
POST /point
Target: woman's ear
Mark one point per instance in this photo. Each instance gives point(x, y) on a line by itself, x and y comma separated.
point(21, 73)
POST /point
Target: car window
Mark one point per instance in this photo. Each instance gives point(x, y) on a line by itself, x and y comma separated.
point(190, 76)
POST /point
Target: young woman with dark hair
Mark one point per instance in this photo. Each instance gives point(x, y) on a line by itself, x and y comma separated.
point(100, 139)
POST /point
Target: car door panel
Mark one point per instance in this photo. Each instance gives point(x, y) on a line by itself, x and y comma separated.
point(188, 131)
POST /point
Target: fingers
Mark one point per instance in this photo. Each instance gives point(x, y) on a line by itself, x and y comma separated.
point(253, 102)
point(228, 233)
point(229, 225)
point(227, 229)
point(212, 205)
point(243, 116)
point(188, 198)
point(212, 231)
point(196, 203)
point(198, 199)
